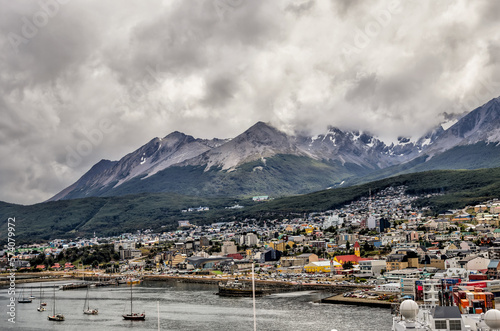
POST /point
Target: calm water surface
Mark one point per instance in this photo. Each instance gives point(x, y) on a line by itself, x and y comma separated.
point(190, 307)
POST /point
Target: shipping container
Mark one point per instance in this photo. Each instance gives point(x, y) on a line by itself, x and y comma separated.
point(478, 277)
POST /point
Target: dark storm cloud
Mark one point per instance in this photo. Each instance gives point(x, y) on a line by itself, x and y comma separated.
point(345, 6)
point(364, 88)
point(99, 79)
point(300, 8)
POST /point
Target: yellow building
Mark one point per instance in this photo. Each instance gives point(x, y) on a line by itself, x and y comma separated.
point(320, 266)
point(400, 261)
point(278, 245)
point(178, 259)
point(480, 208)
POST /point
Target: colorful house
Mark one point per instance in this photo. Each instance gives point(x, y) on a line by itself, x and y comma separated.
point(354, 259)
point(322, 266)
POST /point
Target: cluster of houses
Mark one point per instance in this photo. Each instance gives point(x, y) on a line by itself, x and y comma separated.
point(383, 237)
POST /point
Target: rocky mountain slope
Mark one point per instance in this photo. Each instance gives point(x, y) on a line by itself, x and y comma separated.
point(264, 160)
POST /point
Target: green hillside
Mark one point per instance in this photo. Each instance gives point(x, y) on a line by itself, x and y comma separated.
point(115, 215)
point(477, 156)
point(105, 216)
point(280, 175)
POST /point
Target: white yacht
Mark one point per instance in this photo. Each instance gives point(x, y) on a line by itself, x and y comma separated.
point(442, 318)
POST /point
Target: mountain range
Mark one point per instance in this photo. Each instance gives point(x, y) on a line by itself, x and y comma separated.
point(265, 161)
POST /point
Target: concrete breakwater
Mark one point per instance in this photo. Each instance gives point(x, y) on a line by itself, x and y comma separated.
point(340, 299)
point(31, 278)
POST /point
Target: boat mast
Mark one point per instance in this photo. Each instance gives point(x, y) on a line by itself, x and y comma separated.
point(54, 305)
point(86, 300)
point(253, 298)
point(130, 299)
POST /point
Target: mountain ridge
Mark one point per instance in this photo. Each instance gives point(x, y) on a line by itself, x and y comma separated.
point(333, 158)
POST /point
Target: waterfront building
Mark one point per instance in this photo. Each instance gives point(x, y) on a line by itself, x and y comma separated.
point(322, 266)
point(371, 268)
point(431, 288)
point(408, 287)
point(396, 275)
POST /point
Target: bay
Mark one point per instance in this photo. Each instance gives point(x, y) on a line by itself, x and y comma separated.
point(187, 306)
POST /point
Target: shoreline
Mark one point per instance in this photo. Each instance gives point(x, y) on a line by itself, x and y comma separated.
point(272, 286)
point(277, 285)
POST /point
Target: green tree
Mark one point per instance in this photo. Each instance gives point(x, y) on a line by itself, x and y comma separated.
point(347, 265)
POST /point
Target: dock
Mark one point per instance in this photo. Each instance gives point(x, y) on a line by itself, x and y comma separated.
point(73, 286)
point(340, 299)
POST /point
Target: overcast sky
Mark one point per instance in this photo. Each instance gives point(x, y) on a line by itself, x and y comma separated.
point(85, 80)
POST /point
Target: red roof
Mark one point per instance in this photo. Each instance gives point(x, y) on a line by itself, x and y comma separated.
point(236, 256)
point(40, 266)
point(350, 258)
point(356, 245)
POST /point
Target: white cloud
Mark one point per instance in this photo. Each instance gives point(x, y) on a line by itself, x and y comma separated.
point(214, 68)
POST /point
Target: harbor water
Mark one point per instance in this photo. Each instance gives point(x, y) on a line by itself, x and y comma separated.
point(186, 306)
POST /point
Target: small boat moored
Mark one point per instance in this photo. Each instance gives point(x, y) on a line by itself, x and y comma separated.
point(23, 299)
point(55, 317)
point(86, 306)
point(134, 316)
point(237, 289)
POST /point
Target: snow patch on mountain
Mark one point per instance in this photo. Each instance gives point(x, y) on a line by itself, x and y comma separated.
point(263, 141)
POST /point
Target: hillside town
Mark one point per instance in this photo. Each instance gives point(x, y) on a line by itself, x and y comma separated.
point(383, 241)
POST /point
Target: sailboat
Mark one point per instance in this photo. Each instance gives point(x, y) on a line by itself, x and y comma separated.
point(89, 311)
point(40, 303)
point(22, 299)
point(134, 316)
point(32, 296)
point(55, 317)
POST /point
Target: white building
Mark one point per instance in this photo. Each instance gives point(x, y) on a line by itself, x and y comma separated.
point(396, 275)
point(389, 287)
point(371, 268)
point(408, 287)
point(251, 239)
point(228, 247)
point(431, 289)
point(333, 220)
point(124, 244)
point(371, 222)
point(474, 263)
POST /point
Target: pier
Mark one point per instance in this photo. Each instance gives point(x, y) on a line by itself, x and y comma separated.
point(340, 299)
point(84, 285)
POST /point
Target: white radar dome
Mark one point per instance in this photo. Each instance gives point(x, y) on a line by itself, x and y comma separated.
point(408, 309)
point(492, 319)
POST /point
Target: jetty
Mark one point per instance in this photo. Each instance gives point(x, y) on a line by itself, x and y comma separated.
point(340, 299)
point(73, 286)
